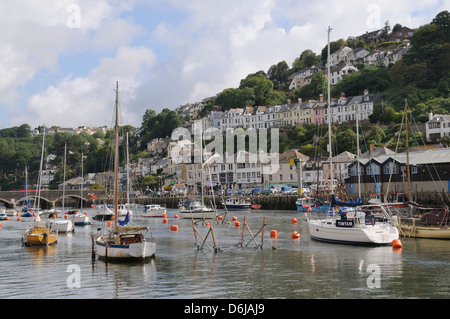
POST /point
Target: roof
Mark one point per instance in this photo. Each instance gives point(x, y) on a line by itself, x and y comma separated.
point(430, 156)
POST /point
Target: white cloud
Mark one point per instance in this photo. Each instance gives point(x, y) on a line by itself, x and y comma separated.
point(211, 46)
point(90, 100)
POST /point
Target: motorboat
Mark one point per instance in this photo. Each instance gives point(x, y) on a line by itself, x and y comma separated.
point(355, 225)
point(153, 210)
point(196, 210)
point(236, 203)
point(103, 213)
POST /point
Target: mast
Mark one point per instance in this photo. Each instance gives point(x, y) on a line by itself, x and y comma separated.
point(329, 113)
point(116, 161)
point(357, 147)
point(407, 151)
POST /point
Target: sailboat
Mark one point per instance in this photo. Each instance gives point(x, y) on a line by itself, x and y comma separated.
point(351, 225)
point(434, 221)
point(40, 233)
point(62, 225)
point(80, 219)
point(122, 242)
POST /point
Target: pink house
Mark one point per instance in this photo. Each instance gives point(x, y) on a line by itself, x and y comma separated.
point(319, 111)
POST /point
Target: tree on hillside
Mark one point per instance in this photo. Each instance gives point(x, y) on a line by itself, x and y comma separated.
point(278, 74)
point(307, 59)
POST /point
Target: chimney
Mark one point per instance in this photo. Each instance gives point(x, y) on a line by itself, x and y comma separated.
point(366, 92)
point(299, 100)
point(320, 97)
point(288, 101)
point(430, 116)
point(371, 149)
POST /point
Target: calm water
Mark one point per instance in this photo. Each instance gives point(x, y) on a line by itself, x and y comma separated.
point(296, 269)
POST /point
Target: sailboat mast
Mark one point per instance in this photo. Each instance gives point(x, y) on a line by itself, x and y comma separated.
point(329, 113)
point(116, 160)
point(407, 151)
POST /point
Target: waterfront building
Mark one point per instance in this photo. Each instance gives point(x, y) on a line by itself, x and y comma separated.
point(429, 171)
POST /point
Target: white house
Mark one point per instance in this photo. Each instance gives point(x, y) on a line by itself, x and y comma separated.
point(339, 56)
point(340, 70)
point(438, 126)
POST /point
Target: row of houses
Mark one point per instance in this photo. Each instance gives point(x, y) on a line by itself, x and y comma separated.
point(343, 109)
point(344, 61)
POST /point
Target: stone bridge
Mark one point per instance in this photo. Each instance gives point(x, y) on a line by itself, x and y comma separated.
point(49, 198)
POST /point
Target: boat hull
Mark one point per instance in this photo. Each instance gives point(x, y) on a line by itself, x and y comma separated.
point(81, 220)
point(62, 226)
point(238, 207)
point(40, 236)
point(424, 232)
point(136, 251)
point(378, 234)
point(154, 213)
point(197, 214)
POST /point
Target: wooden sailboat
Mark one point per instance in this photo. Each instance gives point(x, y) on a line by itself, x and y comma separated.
point(40, 233)
point(434, 221)
point(122, 242)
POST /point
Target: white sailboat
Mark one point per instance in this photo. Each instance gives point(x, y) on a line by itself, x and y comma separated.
point(122, 242)
point(62, 225)
point(351, 225)
point(80, 218)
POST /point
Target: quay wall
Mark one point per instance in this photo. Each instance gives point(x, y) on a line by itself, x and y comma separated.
point(272, 202)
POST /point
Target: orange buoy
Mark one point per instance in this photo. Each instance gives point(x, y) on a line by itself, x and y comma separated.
point(220, 218)
point(295, 235)
point(19, 219)
point(65, 216)
point(109, 224)
point(273, 234)
point(294, 220)
point(7, 218)
point(1, 225)
point(174, 227)
point(396, 243)
point(53, 216)
point(85, 214)
point(237, 224)
point(34, 215)
point(165, 220)
point(176, 216)
point(310, 209)
point(208, 224)
point(234, 218)
point(164, 216)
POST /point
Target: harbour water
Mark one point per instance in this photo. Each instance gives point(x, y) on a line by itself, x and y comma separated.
point(283, 268)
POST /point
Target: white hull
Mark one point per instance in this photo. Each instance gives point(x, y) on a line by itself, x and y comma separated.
point(140, 250)
point(81, 220)
point(61, 226)
point(198, 214)
point(326, 230)
point(154, 213)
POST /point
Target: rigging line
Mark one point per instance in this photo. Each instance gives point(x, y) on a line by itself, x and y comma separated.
point(432, 164)
point(395, 155)
point(377, 188)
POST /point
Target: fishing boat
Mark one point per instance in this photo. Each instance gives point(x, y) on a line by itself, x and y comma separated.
point(122, 242)
point(153, 210)
point(196, 210)
point(354, 225)
point(40, 234)
point(236, 203)
point(256, 206)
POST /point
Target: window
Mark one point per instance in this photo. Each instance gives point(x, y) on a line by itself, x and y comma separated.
point(414, 170)
point(373, 169)
point(387, 168)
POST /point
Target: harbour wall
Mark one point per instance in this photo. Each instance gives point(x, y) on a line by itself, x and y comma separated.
point(272, 202)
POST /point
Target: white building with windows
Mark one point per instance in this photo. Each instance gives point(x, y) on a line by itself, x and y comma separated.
point(437, 127)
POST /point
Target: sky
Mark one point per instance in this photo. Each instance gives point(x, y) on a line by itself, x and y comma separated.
point(60, 59)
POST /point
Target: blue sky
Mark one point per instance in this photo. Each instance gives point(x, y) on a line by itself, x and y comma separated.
point(60, 59)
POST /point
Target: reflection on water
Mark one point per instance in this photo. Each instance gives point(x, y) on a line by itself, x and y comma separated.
point(283, 268)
